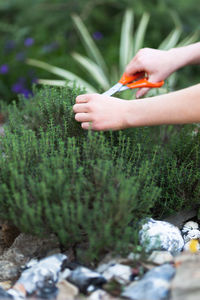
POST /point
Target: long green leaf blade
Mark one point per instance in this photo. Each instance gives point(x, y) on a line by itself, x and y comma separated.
point(93, 69)
point(171, 40)
point(140, 33)
point(89, 44)
point(61, 72)
point(52, 82)
point(126, 42)
point(192, 38)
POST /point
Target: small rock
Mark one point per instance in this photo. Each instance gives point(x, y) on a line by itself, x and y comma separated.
point(160, 257)
point(190, 225)
point(6, 284)
point(185, 285)
point(118, 272)
point(42, 275)
point(67, 291)
point(154, 285)
point(134, 256)
point(4, 294)
point(101, 295)
point(83, 278)
point(8, 270)
point(27, 246)
point(191, 235)
point(161, 235)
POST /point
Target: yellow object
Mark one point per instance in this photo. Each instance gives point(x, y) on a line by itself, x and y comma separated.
point(194, 246)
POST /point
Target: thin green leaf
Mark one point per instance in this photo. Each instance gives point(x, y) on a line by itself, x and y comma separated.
point(126, 42)
point(192, 38)
point(172, 80)
point(89, 44)
point(53, 82)
point(176, 18)
point(93, 69)
point(61, 72)
point(171, 40)
point(140, 33)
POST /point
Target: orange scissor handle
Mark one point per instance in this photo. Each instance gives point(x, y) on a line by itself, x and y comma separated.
point(145, 83)
point(127, 79)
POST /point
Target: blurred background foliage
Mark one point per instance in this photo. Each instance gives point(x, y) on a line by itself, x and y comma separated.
point(43, 29)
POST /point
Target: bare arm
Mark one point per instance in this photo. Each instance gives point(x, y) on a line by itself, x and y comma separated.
point(99, 112)
point(159, 64)
point(181, 107)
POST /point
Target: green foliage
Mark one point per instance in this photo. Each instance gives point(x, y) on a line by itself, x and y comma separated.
point(49, 24)
point(89, 187)
point(130, 43)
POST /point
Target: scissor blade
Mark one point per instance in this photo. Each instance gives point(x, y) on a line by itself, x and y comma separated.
point(124, 88)
point(114, 89)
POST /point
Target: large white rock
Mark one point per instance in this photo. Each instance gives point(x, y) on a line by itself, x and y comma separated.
point(161, 235)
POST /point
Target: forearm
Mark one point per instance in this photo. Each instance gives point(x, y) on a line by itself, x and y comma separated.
point(186, 55)
point(179, 107)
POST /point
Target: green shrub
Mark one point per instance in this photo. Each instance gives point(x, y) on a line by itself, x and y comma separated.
point(90, 187)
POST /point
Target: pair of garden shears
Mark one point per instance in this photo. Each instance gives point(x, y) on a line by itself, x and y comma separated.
point(137, 80)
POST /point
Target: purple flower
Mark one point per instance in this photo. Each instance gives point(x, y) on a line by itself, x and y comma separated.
point(97, 35)
point(28, 42)
point(4, 69)
point(18, 87)
point(26, 93)
point(20, 56)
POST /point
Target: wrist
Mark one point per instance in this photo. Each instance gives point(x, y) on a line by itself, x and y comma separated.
point(177, 59)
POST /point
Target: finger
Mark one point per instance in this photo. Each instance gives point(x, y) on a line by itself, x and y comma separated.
point(133, 67)
point(82, 98)
point(141, 92)
point(86, 125)
point(80, 108)
point(83, 117)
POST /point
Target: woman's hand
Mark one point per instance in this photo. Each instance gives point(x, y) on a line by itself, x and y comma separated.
point(158, 65)
point(99, 112)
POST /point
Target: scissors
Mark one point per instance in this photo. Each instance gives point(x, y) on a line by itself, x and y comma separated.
point(132, 82)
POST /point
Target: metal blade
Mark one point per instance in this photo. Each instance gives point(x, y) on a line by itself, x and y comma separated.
point(124, 88)
point(114, 89)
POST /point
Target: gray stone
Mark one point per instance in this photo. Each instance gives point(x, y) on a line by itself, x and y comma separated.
point(84, 278)
point(118, 272)
point(160, 235)
point(185, 285)
point(155, 284)
point(160, 257)
point(8, 270)
point(101, 295)
point(27, 246)
point(66, 291)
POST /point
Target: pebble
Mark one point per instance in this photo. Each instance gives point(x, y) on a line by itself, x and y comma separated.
point(66, 289)
point(8, 270)
point(160, 257)
point(101, 295)
point(155, 284)
point(6, 284)
point(185, 285)
point(120, 273)
point(85, 278)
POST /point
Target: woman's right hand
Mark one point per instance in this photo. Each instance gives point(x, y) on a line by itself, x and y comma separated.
point(158, 64)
